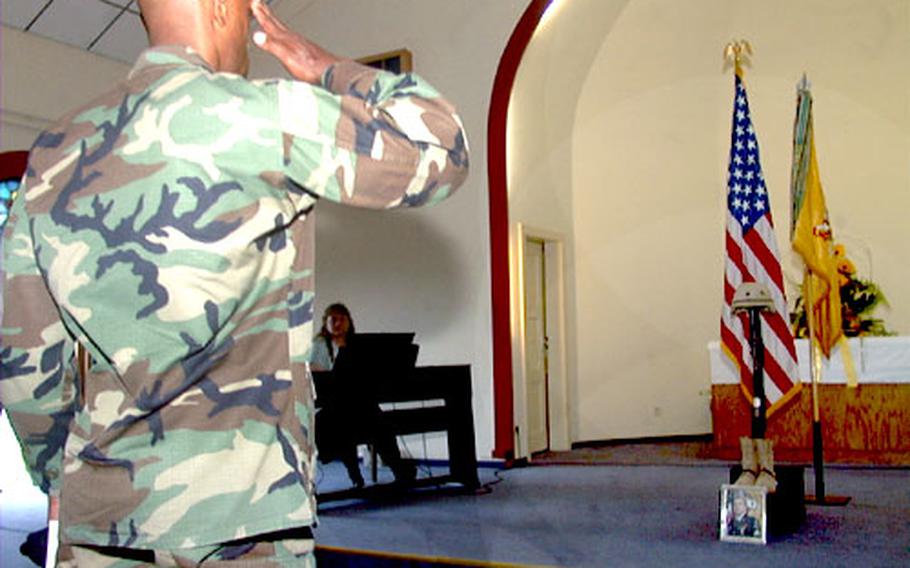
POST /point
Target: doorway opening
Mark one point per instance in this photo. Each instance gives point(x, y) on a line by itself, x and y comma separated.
point(540, 402)
point(536, 346)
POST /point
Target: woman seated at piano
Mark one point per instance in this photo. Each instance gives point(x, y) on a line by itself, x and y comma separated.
point(337, 330)
point(347, 415)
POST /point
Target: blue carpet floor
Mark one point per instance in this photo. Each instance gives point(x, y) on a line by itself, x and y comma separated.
point(636, 515)
point(584, 516)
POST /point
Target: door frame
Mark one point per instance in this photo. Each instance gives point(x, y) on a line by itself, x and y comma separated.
point(557, 367)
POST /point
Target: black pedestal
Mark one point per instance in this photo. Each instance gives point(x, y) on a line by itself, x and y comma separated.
point(786, 507)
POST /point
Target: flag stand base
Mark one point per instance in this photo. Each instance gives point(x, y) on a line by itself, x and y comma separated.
point(828, 500)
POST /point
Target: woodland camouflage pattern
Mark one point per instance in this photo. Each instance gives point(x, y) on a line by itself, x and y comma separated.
point(166, 226)
point(279, 554)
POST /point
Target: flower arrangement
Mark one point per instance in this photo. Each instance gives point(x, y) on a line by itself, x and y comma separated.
point(859, 298)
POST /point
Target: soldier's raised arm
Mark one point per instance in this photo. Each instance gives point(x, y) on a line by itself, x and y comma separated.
point(362, 136)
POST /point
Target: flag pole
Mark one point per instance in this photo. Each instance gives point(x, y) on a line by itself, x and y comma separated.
point(815, 357)
point(815, 351)
point(818, 452)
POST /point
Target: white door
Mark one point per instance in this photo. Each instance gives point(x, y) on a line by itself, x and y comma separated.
point(536, 346)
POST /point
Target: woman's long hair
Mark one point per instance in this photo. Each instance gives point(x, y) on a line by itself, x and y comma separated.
point(336, 309)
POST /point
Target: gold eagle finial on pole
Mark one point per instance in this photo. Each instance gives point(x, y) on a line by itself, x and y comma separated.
point(737, 52)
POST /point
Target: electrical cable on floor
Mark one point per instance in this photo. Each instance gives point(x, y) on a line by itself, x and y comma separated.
point(426, 460)
point(424, 467)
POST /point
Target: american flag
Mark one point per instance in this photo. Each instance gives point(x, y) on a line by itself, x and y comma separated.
point(752, 256)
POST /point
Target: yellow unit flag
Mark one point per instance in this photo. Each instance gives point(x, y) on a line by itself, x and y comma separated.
point(811, 232)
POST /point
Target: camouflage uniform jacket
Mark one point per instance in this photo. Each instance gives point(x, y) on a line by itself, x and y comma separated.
point(166, 227)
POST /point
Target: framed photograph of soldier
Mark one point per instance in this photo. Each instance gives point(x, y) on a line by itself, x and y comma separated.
point(743, 514)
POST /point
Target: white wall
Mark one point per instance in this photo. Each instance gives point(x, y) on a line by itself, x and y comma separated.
point(43, 79)
point(650, 131)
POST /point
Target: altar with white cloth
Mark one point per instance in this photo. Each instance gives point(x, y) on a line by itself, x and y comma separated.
point(869, 424)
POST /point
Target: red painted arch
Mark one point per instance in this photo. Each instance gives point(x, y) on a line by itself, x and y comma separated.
point(503, 411)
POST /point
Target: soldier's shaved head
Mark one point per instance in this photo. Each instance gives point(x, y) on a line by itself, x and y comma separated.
point(216, 29)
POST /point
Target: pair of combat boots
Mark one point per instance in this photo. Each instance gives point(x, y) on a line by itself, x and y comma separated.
point(758, 463)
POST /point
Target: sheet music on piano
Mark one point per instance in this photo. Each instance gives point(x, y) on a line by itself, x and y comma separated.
point(369, 361)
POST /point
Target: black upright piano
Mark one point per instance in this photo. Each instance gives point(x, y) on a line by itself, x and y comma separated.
point(381, 367)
